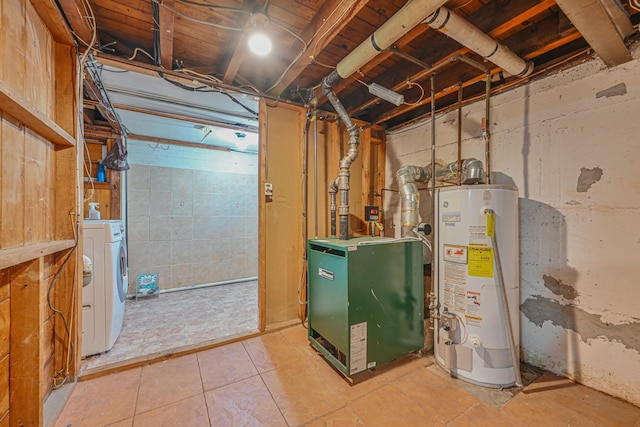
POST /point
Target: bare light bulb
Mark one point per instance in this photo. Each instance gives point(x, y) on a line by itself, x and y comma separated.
point(259, 44)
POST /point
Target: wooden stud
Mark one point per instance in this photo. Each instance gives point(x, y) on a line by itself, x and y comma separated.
point(13, 197)
point(262, 219)
point(26, 381)
point(66, 103)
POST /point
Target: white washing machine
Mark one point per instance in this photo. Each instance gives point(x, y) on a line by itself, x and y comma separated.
point(104, 297)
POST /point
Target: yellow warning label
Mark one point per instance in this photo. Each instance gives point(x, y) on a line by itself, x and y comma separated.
point(480, 261)
point(491, 223)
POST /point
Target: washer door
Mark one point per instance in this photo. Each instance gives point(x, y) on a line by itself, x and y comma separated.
point(122, 272)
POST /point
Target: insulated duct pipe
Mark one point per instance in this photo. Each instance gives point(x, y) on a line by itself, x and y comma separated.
point(407, 176)
point(473, 38)
point(410, 15)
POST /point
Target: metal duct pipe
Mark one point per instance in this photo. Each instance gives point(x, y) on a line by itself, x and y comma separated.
point(407, 177)
point(345, 163)
point(472, 171)
point(472, 37)
point(333, 190)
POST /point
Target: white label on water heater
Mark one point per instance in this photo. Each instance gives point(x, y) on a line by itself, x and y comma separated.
point(358, 348)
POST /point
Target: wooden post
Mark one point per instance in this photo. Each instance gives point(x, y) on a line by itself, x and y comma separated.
point(26, 381)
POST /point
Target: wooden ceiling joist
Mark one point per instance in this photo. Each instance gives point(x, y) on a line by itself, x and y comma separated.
point(331, 19)
point(54, 20)
point(166, 35)
point(81, 24)
point(239, 40)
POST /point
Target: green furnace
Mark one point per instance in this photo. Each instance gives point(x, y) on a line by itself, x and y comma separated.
point(366, 300)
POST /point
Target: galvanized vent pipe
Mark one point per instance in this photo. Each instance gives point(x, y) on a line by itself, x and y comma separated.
point(472, 172)
point(472, 37)
point(410, 15)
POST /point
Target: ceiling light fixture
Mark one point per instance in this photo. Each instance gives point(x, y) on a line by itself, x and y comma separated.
point(259, 43)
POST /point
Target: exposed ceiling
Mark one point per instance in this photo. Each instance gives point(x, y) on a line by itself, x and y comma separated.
point(208, 39)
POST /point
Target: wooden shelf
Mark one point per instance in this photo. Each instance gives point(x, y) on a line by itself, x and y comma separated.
point(98, 185)
point(14, 104)
point(15, 256)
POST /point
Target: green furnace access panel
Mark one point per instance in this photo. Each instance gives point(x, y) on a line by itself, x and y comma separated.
point(366, 300)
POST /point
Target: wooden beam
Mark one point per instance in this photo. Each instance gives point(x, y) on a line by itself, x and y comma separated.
point(81, 24)
point(262, 218)
point(17, 106)
point(26, 379)
point(237, 44)
point(328, 22)
point(176, 142)
point(594, 23)
point(166, 34)
point(53, 19)
point(451, 89)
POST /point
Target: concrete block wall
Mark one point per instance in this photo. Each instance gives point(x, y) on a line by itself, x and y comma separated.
point(190, 225)
point(570, 143)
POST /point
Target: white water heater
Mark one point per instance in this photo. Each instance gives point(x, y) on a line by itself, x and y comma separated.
point(471, 333)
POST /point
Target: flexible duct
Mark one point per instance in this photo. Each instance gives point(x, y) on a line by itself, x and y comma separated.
point(472, 37)
point(407, 177)
point(472, 172)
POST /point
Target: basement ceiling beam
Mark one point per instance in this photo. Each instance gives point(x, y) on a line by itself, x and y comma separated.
point(596, 26)
point(328, 22)
point(166, 34)
point(54, 20)
point(238, 44)
point(496, 33)
point(452, 88)
point(81, 24)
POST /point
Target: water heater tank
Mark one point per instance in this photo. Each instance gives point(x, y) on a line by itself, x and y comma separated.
point(471, 340)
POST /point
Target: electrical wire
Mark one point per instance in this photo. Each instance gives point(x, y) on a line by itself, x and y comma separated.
point(60, 313)
point(410, 85)
point(135, 53)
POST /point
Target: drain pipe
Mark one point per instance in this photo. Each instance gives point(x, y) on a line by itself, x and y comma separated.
point(473, 38)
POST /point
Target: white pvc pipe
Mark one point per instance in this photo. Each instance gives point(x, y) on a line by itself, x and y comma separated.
point(473, 38)
point(411, 14)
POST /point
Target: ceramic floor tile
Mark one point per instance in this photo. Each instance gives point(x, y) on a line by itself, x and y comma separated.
point(270, 351)
point(441, 399)
point(388, 406)
point(597, 406)
point(101, 401)
point(244, 403)
point(568, 402)
point(167, 382)
point(526, 413)
point(482, 414)
point(341, 417)
point(308, 389)
point(297, 336)
point(191, 412)
point(124, 423)
point(225, 365)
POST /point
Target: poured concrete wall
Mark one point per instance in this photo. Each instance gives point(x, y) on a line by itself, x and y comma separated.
point(570, 143)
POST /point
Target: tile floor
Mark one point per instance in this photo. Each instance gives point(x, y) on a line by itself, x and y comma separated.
point(178, 319)
point(278, 380)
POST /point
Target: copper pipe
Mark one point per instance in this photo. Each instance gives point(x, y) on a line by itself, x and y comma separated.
point(460, 133)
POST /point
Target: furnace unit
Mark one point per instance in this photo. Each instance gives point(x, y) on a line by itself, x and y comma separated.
point(366, 300)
